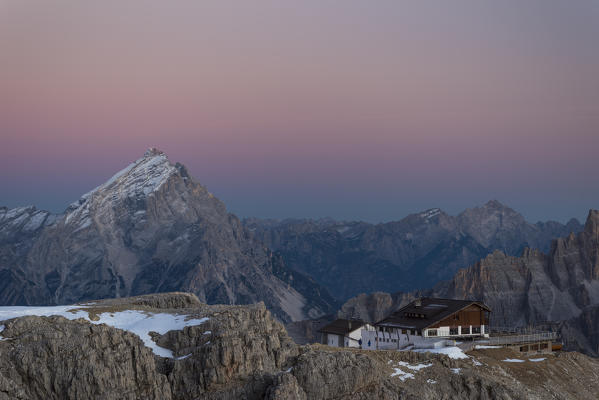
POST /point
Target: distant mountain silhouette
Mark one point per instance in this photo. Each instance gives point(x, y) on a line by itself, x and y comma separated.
point(418, 251)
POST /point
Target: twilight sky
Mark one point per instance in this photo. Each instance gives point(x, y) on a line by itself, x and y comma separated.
point(349, 109)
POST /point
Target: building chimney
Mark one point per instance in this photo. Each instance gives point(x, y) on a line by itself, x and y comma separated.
point(418, 302)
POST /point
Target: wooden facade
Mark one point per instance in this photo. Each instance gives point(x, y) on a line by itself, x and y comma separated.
point(473, 315)
point(436, 318)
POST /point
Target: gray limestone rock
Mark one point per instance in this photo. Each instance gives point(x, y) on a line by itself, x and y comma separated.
point(349, 258)
point(558, 290)
point(241, 352)
point(150, 228)
point(54, 358)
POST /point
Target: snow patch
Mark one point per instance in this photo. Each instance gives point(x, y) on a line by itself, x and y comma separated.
point(452, 352)
point(456, 370)
point(118, 175)
point(486, 347)
point(208, 333)
point(402, 374)
point(15, 211)
point(428, 214)
point(19, 220)
point(343, 229)
point(36, 221)
point(513, 360)
point(530, 359)
point(476, 362)
point(416, 367)
point(183, 357)
point(137, 322)
point(431, 381)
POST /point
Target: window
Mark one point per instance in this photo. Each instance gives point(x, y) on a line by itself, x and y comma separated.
point(432, 332)
point(476, 329)
point(412, 332)
point(465, 330)
point(453, 331)
point(544, 346)
point(523, 349)
point(403, 331)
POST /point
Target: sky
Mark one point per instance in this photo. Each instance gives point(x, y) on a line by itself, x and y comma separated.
point(347, 109)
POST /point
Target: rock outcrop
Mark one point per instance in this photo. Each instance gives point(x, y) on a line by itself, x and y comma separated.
point(558, 290)
point(54, 358)
point(242, 352)
point(536, 287)
point(150, 228)
point(416, 252)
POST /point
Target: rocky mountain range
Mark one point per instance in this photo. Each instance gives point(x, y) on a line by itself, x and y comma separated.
point(557, 290)
point(349, 258)
point(241, 352)
point(150, 228)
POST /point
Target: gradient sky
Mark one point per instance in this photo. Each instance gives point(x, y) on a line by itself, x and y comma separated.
point(349, 109)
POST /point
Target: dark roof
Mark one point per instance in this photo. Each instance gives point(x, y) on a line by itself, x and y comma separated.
point(342, 326)
point(429, 312)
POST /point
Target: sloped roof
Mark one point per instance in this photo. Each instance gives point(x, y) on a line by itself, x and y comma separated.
point(429, 312)
point(342, 326)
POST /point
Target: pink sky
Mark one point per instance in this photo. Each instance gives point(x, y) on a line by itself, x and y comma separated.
point(350, 109)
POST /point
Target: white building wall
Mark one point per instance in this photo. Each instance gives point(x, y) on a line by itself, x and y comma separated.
point(332, 340)
point(353, 338)
point(368, 339)
point(443, 331)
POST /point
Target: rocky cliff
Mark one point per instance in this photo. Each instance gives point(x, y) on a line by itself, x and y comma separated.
point(150, 228)
point(242, 352)
point(561, 286)
point(558, 290)
point(349, 258)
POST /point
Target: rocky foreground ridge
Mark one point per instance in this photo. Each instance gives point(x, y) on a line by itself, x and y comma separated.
point(242, 352)
point(150, 228)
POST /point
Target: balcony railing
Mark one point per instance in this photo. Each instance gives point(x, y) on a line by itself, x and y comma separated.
point(526, 338)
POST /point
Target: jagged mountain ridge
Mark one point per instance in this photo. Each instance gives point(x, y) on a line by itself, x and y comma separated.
point(558, 290)
point(418, 251)
point(150, 228)
point(536, 288)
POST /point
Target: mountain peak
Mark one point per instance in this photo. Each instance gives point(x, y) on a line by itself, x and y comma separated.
point(430, 213)
point(592, 224)
point(494, 204)
point(153, 151)
point(138, 180)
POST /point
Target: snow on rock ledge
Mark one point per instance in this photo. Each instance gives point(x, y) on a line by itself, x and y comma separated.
point(141, 323)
